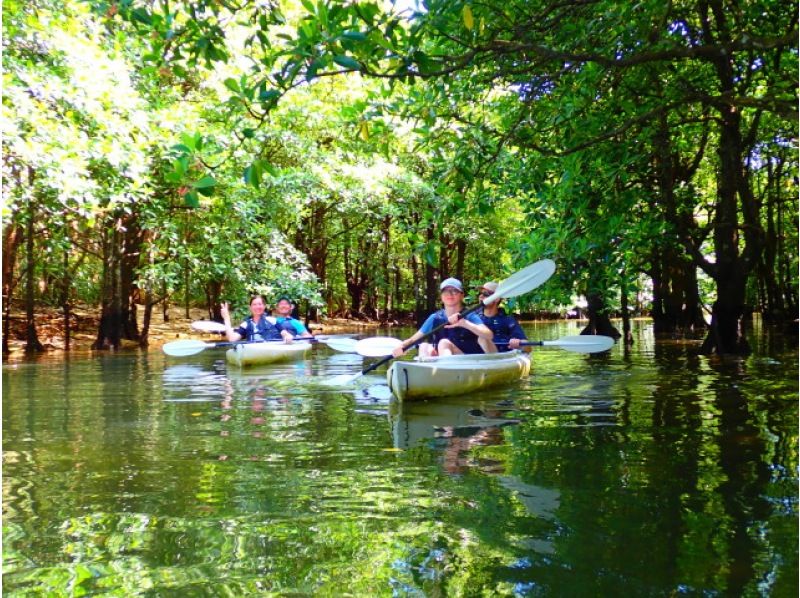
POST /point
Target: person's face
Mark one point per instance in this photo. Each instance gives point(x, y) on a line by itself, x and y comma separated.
point(257, 306)
point(484, 293)
point(451, 296)
point(284, 308)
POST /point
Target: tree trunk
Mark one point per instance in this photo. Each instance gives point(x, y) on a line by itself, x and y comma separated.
point(676, 299)
point(461, 254)
point(109, 333)
point(12, 239)
point(731, 268)
point(213, 300)
point(431, 285)
point(387, 267)
point(65, 305)
point(130, 256)
point(32, 339)
point(626, 315)
point(144, 337)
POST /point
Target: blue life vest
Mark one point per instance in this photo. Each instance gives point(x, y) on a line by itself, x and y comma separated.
point(462, 338)
point(263, 331)
point(291, 324)
point(505, 327)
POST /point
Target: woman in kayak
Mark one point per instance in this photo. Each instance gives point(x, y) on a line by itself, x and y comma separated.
point(460, 335)
point(508, 334)
point(257, 327)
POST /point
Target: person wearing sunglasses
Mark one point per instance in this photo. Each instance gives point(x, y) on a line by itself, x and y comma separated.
point(508, 334)
point(460, 335)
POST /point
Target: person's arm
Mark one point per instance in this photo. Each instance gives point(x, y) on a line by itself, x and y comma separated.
point(407, 343)
point(287, 336)
point(300, 329)
point(474, 324)
point(230, 333)
point(516, 336)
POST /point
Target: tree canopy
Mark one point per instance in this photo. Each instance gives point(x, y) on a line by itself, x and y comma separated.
point(353, 154)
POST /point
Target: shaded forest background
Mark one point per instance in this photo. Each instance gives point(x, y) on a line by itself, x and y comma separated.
point(353, 154)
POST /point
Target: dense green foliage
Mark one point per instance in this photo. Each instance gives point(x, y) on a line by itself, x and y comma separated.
point(352, 154)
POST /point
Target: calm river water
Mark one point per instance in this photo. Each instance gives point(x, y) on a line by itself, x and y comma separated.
point(651, 473)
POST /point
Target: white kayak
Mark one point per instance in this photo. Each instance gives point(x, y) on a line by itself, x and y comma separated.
point(455, 374)
point(262, 353)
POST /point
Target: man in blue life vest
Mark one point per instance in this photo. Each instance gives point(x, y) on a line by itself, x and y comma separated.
point(508, 334)
point(460, 335)
point(258, 327)
point(283, 316)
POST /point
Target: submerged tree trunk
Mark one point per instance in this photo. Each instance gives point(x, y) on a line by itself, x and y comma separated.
point(626, 315)
point(599, 322)
point(676, 299)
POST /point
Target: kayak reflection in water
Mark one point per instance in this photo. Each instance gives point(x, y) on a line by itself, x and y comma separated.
point(467, 335)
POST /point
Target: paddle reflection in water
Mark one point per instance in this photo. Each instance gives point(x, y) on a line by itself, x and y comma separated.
point(192, 383)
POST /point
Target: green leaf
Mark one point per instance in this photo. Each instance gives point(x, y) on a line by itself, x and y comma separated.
point(142, 16)
point(347, 62)
point(312, 69)
point(232, 84)
point(205, 182)
point(266, 95)
point(357, 36)
point(191, 199)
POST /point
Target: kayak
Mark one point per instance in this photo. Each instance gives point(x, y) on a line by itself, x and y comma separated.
point(455, 374)
point(261, 353)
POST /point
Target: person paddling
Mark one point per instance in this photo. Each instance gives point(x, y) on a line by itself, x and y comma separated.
point(257, 327)
point(508, 334)
point(283, 317)
point(461, 335)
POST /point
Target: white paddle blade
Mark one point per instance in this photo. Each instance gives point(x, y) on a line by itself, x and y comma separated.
point(523, 281)
point(208, 326)
point(583, 343)
point(185, 347)
point(345, 345)
point(377, 346)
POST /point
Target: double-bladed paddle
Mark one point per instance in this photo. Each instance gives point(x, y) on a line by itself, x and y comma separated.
point(380, 346)
point(519, 283)
point(187, 347)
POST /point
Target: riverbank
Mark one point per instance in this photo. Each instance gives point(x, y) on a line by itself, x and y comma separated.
point(84, 324)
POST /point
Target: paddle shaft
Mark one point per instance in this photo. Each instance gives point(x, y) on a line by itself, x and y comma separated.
point(424, 337)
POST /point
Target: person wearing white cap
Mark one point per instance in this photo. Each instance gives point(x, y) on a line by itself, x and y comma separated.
point(459, 335)
point(508, 334)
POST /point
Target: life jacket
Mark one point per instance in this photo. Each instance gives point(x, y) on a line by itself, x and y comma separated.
point(504, 326)
point(462, 338)
point(264, 330)
point(288, 323)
